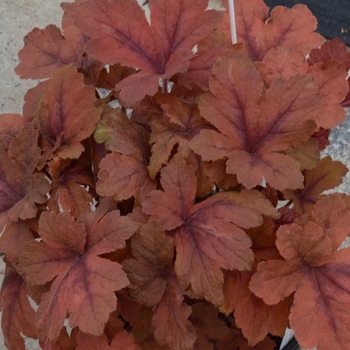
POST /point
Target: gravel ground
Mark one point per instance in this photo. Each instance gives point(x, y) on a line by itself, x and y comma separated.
point(19, 17)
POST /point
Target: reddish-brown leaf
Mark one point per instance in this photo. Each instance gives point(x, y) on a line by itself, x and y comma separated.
point(66, 114)
point(174, 132)
point(69, 181)
point(255, 124)
point(204, 318)
point(282, 62)
point(234, 340)
point(333, 87)
point(252, 315)
point(122, 341)
point(10, 126)
point(207, 235)
point(121, 34)
point(260, 31)
point(84, 283)
point(17, 314)
point(327, 175)
point(13, 240)
point(123, 173)
point(20, 186)
point(331, 50)
point(64, 341)
point(170, 320)
point(316, 272)
point(147, 273)
point(47, 50)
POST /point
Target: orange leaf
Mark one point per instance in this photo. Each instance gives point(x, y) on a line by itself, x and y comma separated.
point(208, 326)
point(122, 341)
point(197, 228)
point(123, 173)
point(261, 31)
point(69, 254)
point(21, 187)
point(252, 315)
point(147, 273)
point(17, 314)
point(317, 273)
point(66, 114)
point(170, 322)
point(254, 124)
point(121, 34)
point(327, 175)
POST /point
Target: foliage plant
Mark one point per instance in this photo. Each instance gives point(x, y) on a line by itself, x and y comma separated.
point(164, 188)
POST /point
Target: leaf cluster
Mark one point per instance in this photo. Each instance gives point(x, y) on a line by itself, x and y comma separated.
point(164, 189)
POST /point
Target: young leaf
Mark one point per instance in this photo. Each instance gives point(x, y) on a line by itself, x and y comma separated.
point(66, 114)
point(123, 173)
point(254, 124)
point(68, 253)
point(181, 124)
point(317, 273)
point(207, 235)
point(17, 314)
point(69, 178)
point(261, 31)
point(121, 34)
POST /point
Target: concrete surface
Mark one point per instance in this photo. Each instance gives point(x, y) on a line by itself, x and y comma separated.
point(19, 17)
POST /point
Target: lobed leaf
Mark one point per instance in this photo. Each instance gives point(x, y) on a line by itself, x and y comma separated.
point(207, 235)
point(261, 31)
point(66, 114)
point(317, 273)
point(255, 125)
point(17, 314)
point(121, 34)
point(68, 253)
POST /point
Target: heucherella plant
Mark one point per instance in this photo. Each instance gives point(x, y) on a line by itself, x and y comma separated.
point(164, 187)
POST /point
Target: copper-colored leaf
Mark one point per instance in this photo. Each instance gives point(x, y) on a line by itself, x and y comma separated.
point(170, 322)
point(69, 179)
point(154, 256)
point(121, 34)
point(317, 273)
point(333, 87)
point(122, 341)
point(20, 186)
point(260, 31)
point(254, 124)
point(207, 235)
point(66, 114)
point(123, 173)
point(327, 175)
point(205, 319)
point(17, 314)
point(252, 315)
point(68, 253)
point(234, 340)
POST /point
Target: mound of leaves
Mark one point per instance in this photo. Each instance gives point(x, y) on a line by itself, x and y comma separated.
point(164, 188)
